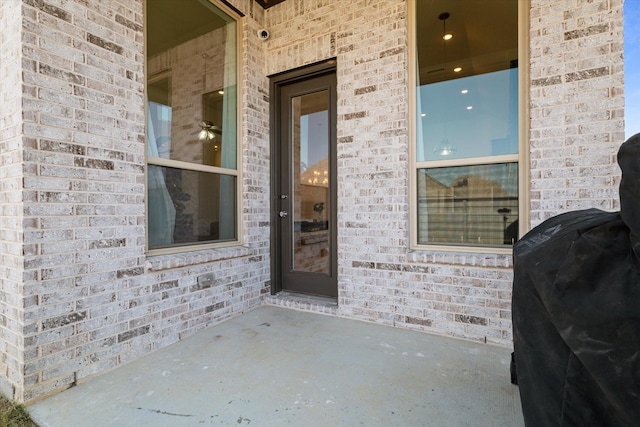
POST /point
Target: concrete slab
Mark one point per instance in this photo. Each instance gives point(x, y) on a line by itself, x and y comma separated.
point(276, 366)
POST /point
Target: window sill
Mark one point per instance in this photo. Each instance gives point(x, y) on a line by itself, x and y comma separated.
point(455, 255)
point(162, 262)
point(482, 250)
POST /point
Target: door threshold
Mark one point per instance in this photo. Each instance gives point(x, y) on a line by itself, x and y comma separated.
point(312, 303)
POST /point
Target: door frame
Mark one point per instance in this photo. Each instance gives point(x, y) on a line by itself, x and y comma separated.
point(276, 82)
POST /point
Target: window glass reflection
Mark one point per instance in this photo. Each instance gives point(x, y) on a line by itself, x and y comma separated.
point(201, 87)
point(468, 205)
point(474, 116)
point(192, 101)
point(467, 79)
point(310, 138)
point(189, 206)
point(467, 98)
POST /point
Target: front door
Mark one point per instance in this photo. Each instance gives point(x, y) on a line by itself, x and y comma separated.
point(304, 189)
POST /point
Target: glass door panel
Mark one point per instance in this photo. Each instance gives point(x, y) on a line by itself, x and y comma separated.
point(310, 183)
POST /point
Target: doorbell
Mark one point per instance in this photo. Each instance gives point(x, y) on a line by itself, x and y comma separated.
point(263, 34)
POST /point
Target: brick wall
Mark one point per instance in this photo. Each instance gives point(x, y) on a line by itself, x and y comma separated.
point(11, 171)
point(91, 298)
point(80, 297)
point(577, 105)
point(576, 127)
point(380, 280)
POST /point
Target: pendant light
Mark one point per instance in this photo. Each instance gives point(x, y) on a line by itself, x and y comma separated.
point(445, 148)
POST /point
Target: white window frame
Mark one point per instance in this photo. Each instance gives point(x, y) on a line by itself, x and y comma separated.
point(522, 158)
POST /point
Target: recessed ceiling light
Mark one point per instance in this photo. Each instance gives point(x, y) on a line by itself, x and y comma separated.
point(464, 91)
point(469, 107)
point(447, 36)
point(457, 69)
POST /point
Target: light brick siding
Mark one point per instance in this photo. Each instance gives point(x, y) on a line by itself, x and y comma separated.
point(11, 146)
point(80, 297)
point(577, 105)
point(73, 190)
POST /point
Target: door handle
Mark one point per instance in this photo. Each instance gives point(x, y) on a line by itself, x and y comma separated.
point(283, 214)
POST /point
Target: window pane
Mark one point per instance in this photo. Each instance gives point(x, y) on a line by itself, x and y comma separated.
point(194, 43)
point(467, 94)
point(310, 146)
point(468, 205)
point(473, 116)
point(190, 207)
point(159, 129)
point(191, 48)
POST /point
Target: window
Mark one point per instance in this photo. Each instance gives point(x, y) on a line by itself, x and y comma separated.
point(466, 153)
point(192, 125)
point(631, 64)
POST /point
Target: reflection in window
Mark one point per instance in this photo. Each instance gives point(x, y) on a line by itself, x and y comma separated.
point(191, 124)
point(189, 206)
point(472, 116)
point(632, 67)
point(466, 148)
point(311, 203)
point(473, 205)
point(211, 133)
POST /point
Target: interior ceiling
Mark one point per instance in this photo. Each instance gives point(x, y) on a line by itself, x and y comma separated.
point(476, 45)
point(172, 22)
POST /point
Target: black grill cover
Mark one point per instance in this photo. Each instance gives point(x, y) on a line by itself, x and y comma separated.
point(576, 312)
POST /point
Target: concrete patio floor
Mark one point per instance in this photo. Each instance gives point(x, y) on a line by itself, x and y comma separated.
point(276, 366)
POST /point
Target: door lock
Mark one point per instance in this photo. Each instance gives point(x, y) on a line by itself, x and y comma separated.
point(283, 214)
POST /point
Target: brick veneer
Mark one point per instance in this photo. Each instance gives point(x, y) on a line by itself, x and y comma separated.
point(80, 297)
